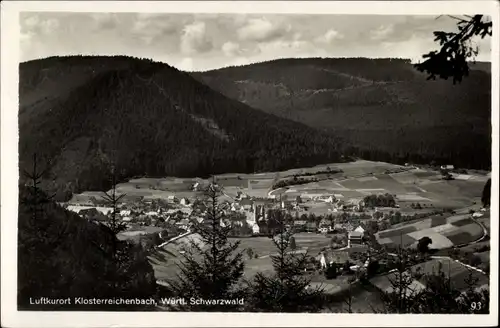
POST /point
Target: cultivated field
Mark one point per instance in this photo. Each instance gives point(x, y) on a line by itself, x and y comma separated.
point(357, 180)
point(444, 231)
point(165, 261)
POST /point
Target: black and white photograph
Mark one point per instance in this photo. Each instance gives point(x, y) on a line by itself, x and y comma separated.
point(229, 158)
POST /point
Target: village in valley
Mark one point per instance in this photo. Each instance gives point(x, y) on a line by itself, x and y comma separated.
point(346, 215)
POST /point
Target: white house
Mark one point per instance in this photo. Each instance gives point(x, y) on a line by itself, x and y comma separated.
point(327, 199)
point(322, 260)
point(360, 229)
point(447, 167)
point(125, 212)
point(255, 229)
point(323, 229)
point(235, 207)
point(184, 201)
point(355, 237)
point(172, 198)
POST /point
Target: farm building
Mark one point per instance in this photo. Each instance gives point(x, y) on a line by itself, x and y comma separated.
point(355, 238)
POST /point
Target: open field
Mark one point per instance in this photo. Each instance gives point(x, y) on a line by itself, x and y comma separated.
point(444, 231)
point(165, 262)
point(263, 246)
point(409, 188)
point(165, 265)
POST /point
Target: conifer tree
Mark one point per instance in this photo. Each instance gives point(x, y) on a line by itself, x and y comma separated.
point(36, 198)
point(113, 199)
point(211, 267)
point(286, 290)
point(401, 296)
point(35, 201)
point(440, 295)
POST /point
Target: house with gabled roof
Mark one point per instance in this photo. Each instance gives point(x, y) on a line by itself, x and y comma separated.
point(354, 237)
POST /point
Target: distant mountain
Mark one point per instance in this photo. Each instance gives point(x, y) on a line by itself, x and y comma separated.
point(89, 114)
point(384, 107)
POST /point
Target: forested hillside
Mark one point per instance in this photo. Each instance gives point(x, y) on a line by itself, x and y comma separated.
point(61, 255)
point(87, 114)
point(383, 108)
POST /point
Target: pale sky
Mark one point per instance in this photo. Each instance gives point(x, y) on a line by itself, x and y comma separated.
point(207, 41)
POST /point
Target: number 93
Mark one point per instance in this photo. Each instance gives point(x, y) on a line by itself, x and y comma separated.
point(475, 306)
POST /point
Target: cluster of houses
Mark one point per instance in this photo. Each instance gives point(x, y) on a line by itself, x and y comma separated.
point(138, 210)
point(240, 211)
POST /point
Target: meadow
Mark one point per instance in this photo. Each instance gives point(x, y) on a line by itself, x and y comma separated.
point(445, 232)
point(358, 179)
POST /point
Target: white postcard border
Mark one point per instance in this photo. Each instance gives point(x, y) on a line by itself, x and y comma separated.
point(10, 317)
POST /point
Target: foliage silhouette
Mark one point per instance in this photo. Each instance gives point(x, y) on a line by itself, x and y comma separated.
point(210, 269)
point(61, 255)
point(486, 195)
point(451, 60)
point(287, 289)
